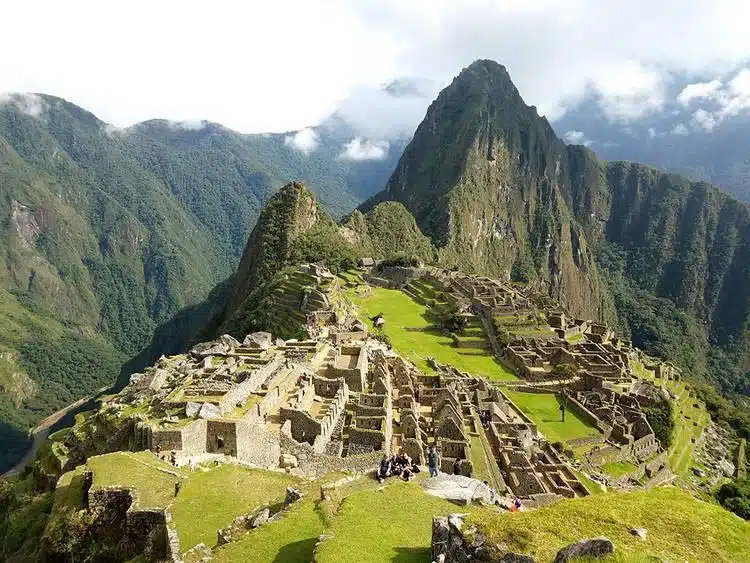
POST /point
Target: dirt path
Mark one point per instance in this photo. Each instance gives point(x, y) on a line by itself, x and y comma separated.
point(41, 431)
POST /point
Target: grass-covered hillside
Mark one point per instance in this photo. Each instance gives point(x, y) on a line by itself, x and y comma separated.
point(359, 519)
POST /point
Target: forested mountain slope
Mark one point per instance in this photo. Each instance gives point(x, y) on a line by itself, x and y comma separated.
point(668, 260)
point(107, 233)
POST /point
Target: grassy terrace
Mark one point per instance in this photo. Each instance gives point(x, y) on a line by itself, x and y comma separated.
point(211, 500)
point(689, 424)
point(414, 336)
point(680, 528)
point(619, 468)
point(544, 410)
point(152, 480)
point(392, 524)
point(290, 540)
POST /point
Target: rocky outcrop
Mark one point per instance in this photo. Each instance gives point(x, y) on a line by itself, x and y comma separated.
point(589, 549)
point(452, 542)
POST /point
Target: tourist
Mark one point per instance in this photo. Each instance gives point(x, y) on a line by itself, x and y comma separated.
point(407, 474)
point(385, 469)
point(433, 460)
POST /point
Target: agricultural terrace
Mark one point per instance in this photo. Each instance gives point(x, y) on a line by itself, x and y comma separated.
point(210, 500)
point(413, 335)
point(544, 410)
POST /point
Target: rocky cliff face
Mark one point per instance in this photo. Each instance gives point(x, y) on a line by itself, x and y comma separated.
point(498, 193)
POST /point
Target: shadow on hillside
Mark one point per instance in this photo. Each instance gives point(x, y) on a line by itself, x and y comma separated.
point(301, 551)
point(411, 555)
point(15, 443)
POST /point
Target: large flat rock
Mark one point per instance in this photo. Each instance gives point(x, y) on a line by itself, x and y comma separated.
point(457, 488)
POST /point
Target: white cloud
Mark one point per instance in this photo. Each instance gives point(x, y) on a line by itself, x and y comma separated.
point(576, 138)
point(554, 50)
point(189, 124)
point(699, 91)
point(30, 104)
point(364, 149)
point(651, 133)
point(680, 129)
point(705, 119)
point(305, 140)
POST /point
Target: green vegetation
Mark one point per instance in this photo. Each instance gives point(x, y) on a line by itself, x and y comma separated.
point(735, 496)
point(679, 527)
point(544, 411)
point(210, 500)
point(414, 336)
point(394, 523)
point(152, 480)
point(291, 539)
point(619, 469)
point(689, 424)
point(662, 420)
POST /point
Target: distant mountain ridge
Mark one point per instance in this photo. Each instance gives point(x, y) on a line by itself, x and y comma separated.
point(106, 233)
point(498, 193)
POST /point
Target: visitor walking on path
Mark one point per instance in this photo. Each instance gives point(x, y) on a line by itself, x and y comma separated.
point(433, 459)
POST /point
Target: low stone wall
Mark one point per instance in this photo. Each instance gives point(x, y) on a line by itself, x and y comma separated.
point(239, 394)
point(313, 464)
point(588, 440)
point(367, 437)
point(167, 440)
point(587, 415)
point(608, 454)
point(304, 427)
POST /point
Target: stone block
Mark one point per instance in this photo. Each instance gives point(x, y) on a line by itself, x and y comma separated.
point(287, 461)
point(590, 549)
point(209, 411)
point(192, 409)
point(229, 341)
point(259, 340)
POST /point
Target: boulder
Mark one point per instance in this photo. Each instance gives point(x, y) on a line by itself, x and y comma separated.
point(208, 349)
point(229, 341)
point(259, 340)
point(699, 472)
point(192, 409)
point(639, 532)
point(591, 549)
point(288, 461)
point(260, 518)
point(201, 553)
point(727, 467)
point(209, 411)
point(136, 378)
point(458, 488)
point(292, 495)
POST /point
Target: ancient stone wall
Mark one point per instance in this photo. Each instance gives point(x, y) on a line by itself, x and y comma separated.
point(336, 409)
point(313, 464)
point(239, 394)
point(328, 388)
point(194, 438)
point(371, 438)
point(221, 437)
point(257, 445)
point(167, 439)
point(574, 405)
point(304, 427)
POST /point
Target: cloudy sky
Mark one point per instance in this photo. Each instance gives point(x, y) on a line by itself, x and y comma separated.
point(282, 65)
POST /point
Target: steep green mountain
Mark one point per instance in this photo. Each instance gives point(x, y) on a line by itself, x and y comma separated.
point(498, 193)
point(485, 178)
point(292, 228)
point(105, 234)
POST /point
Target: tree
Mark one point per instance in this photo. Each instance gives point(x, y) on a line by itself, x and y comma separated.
point(451, 320)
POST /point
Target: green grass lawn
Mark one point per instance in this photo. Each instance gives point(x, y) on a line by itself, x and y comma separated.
point(682, 448)
point(680, 528)
point(291, 539)
point(544, 410)
point(478, 460)
point(393, 524)
point(413, 336)
point(210, 500)
point(619, 469)
point(140, 471)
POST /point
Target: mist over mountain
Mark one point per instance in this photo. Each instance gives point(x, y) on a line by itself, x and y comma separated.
point(699, 130)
